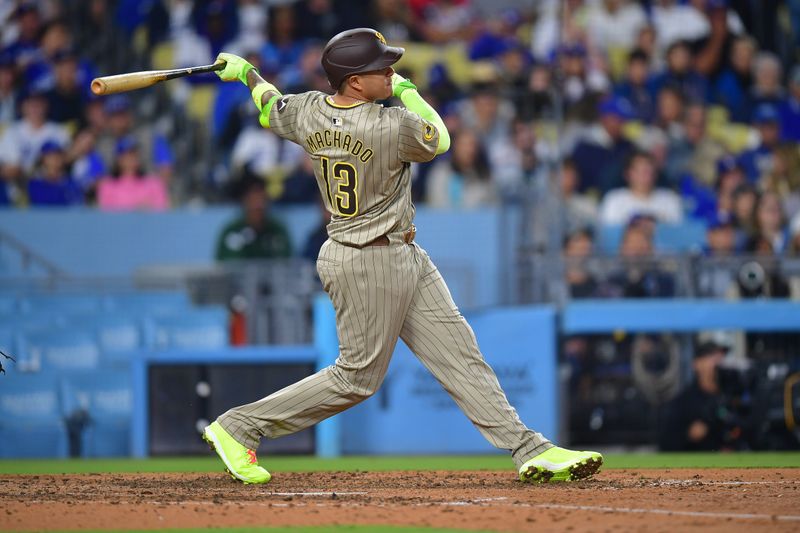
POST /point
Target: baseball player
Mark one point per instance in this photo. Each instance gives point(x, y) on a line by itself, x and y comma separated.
point(382, 284)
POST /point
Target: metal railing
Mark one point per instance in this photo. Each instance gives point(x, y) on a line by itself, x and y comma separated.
point(557, 279)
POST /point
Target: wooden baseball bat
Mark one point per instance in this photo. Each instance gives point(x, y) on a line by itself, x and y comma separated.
point(145, 78)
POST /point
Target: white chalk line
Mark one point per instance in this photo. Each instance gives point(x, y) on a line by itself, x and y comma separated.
point(721, 483)
point(633, 510)
point(480, 502)
point(329, 494)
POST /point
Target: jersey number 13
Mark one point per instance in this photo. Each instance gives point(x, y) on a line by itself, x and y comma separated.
point(342, 195)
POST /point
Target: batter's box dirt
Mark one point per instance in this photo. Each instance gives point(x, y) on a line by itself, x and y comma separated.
point(652, 500)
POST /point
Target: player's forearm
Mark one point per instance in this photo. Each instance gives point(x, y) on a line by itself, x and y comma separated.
point(264, 95)
point(414, 102)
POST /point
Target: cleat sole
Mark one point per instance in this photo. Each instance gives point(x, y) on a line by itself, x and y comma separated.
point(582, 470)
point(585, 469)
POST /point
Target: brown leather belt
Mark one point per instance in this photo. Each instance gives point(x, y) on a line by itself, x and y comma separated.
point(383, 240)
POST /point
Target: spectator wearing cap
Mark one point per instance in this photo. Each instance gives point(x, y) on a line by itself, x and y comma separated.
point(640, 196)
point(255, 234)
point(721, 238)
point(734, 84)
point(693, 420)
point(22, 142)
point(67, 98)
point(789, 109)
point(717, 280)
point(758, 161)
point(129, 188)
point(600, 157)
point(154, 150)
point(51, 184)
point(634, 86)
point(680, 75)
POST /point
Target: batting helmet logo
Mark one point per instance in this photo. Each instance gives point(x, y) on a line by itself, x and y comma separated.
point(380, 37)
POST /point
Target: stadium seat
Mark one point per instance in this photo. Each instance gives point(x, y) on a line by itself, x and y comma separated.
point(683, 237)
point(149, 302)
point(99, 402)
point(8, 304)
point(195, 328)
point(59, 350)
point(118, 335)
point(31, 424)
point(61, 303)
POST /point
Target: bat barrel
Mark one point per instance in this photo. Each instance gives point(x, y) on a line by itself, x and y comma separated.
point(99, 86)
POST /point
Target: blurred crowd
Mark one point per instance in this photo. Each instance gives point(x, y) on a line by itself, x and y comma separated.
point(633, 113)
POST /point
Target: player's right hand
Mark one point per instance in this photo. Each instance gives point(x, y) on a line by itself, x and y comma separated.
point(236, 68)
point(400, 84)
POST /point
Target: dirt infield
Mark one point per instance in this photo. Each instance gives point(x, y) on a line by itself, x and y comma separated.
point(651, 500)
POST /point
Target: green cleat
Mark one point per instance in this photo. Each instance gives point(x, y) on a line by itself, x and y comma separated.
point(240, 462)
point(560, 464)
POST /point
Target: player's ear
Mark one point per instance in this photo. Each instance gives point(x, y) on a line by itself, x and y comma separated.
point(355, 82)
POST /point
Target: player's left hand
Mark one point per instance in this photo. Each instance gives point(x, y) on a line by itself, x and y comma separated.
point(400, 84)
point(236, 68)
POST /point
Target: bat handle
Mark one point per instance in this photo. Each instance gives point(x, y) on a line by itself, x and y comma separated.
point(180, 73)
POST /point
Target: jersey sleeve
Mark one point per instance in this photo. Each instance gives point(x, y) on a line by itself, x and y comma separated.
point(284, 115)
point(418, 138)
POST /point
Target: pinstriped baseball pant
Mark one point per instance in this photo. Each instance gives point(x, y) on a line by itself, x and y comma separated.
point(381, 293)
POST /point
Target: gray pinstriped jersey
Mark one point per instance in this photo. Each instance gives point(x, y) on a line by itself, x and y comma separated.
point(361, 155)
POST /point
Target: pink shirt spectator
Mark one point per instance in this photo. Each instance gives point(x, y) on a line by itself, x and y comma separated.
point(130, 193)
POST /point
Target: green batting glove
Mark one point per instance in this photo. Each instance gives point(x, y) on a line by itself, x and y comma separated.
point(236, 68)
point(400, 84)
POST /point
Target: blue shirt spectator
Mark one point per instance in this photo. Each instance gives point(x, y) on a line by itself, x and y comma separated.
point(634, 87)
point(759, 160)
point(734, 84)
point(600, 158)
point(789, 109)
point(52, 186)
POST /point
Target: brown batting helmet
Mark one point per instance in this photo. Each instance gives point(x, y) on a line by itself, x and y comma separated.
point(356, 51)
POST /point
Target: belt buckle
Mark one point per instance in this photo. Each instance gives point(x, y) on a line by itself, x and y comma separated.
point(408, 237)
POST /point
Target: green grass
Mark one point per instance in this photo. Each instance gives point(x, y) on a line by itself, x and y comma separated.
point(304, 529)
point(358, 463)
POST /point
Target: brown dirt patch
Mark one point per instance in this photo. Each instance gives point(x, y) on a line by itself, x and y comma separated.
point(646, 500)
